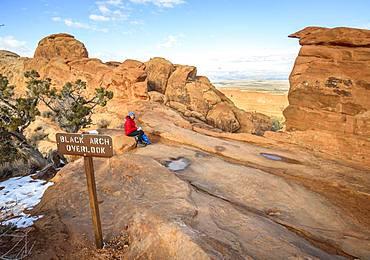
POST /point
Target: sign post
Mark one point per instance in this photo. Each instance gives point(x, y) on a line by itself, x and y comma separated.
point(88, 146)
point(94, 205)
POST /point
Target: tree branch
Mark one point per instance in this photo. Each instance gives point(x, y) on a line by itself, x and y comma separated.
point(7, 103)
point(47, 104)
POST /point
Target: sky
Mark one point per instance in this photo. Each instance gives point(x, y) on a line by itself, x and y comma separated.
point(225, 39)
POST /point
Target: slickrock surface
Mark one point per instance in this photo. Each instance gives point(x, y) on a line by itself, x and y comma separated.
point(225, 201)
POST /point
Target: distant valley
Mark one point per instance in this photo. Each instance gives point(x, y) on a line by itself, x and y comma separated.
point(281, 86)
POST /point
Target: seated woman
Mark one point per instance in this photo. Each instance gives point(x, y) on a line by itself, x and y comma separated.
point(132, 130)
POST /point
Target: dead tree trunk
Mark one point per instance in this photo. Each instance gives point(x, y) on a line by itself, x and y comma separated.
point(35, 159)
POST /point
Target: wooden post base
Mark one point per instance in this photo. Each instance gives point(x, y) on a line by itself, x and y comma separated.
point(94, 206)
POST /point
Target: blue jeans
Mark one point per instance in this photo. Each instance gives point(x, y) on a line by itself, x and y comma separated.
point(137, 134)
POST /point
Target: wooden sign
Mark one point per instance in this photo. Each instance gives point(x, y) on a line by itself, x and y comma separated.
point(85, 144)
point(88, 146)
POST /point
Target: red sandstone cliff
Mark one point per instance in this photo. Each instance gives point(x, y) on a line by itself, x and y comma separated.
point(329, 96)
point(63, 58)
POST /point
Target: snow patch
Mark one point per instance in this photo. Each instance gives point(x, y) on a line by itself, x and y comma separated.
point(17, 195)
point(177, 164)
point(23, 221)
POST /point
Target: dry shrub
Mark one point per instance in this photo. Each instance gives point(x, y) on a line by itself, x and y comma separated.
point(277, 124)
point(14, 243)
point(103, 123)
point(19, 167)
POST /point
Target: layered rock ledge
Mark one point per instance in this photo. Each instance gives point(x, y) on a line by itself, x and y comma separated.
point(330, 88)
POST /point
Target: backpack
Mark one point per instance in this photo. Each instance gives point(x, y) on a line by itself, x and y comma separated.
point(145, 139)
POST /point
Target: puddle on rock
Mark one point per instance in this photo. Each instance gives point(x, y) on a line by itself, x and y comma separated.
point(201, 155)
point(177, 164)
point(220, 148)
point(275, 157)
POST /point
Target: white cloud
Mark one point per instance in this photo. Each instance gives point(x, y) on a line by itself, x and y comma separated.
point(160, 3)
point(10, 43)
point(75, 24)
point(247, 64)
point(136, 22)
point(71, 23)
point(104, 30)
point(111, 55)
point(114, 14)
point(170, 41)
point(104, 9)
point(231, 63)
point(114, 2)
point(98, 18)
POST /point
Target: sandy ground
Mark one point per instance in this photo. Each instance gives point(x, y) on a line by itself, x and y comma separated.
point(269, 103)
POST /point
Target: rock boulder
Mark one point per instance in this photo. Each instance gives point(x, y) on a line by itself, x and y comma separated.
point(330, 87)
point(330, 82)
point(223, 117)
point(158, 70)
point(60, 45)
point(8, 54)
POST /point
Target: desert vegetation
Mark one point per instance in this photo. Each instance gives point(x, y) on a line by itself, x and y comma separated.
point(69, 107)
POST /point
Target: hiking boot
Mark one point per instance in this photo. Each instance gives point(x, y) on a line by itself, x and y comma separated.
point(141, 144)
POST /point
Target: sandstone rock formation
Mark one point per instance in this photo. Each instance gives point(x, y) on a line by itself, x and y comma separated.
point(159, 71)
point(239, 196)
point(12, 65)
point(8, 54)
point(60, 45)
point(251, 207)
point(194, 96)
point(330, 88)
point(222, 116)
point(121, 142)
point(63, 58)
point(42, 133)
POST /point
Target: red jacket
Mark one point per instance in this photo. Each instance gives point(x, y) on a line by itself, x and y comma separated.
point(130, 125)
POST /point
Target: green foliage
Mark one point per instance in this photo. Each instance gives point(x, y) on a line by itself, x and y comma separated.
point(16, 113)
point(8, 152)
point(73, 110)
point(38, 88)
point(277, 124)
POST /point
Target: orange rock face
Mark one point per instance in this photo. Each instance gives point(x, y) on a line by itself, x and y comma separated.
point(195, 97)
point(60, 45)
point(63, 58)
point(330, 83)
point(158, 70)
point(340, 36)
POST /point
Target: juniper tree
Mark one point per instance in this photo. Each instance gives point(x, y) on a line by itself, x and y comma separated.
point(16, 114)
point(72, 109)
